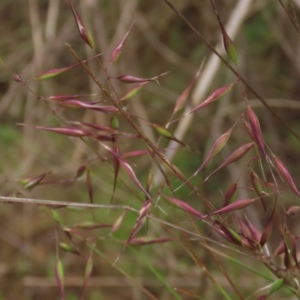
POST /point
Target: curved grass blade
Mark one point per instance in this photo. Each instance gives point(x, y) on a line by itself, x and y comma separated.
point(30, 183)
point(135, 153)
point(90, 225)
point(276, 285)
point(167, 134)
point(68, 248)
point(246, 233)
point(256, 183)
point(213, 97)
point(126, 78)
point(254, 123)
point(133, 91)
point(80, 171)
point(116, 225)
point(184, 95)
point(147, 240)
point(80, 104)
point(284, 173)
point(216, 148)
point(117, 51)
point(240, 204)
point(145, 209)
point(230, 194)
point(228, 43)
point(54, 72)
point(182, 205)
point(236, 155)
point(250, 132)
point(268, 230)
point(99, 127)
point(69, 131)
point(256, 235)
point(230, 234)
point(127, 168)
point(68, 97)
point(84, 33)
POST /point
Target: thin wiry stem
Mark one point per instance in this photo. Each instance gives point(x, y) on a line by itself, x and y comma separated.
point(63, 203)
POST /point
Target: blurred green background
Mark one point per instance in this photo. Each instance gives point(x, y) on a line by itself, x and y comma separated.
point(33, 36)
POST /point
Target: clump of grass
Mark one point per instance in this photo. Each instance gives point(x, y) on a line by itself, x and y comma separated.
point(227, 232)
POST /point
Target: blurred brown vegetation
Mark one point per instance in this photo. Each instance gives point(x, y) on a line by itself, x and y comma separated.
point(33, 34)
